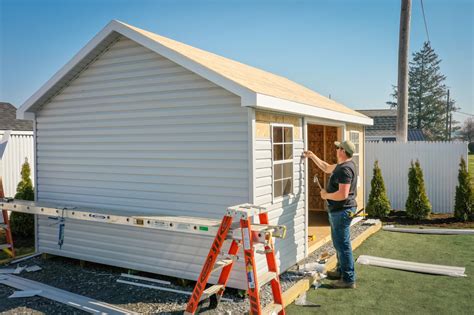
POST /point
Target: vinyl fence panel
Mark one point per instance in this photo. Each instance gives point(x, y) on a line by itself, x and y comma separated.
point(18, 148)
point(439, 162)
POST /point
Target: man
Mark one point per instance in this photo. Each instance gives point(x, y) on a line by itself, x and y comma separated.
point(340, 195)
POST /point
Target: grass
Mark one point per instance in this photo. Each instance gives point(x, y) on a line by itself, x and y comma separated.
point(387, 291)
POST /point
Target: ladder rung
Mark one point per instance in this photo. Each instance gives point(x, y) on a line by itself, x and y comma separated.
point(221, 264)
point(3, 246)
point(272, 308)
point(267, 277)
point(211, 290)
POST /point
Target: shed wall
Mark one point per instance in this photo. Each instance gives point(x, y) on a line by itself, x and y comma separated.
point(137, 132)
point(291, 210)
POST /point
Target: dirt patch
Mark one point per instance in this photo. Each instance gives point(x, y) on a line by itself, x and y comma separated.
point(440, 220)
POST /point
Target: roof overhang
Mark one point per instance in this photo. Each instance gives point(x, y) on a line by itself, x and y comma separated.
point(115, 29)
point(267, 102)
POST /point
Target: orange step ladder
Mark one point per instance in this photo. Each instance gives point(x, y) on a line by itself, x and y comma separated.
point(248, 235)
point(5, 225)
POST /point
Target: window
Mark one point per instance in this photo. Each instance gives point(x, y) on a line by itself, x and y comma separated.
point(282, 160)
point(354, 138)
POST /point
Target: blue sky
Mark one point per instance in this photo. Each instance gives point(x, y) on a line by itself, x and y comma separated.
point(347, 49)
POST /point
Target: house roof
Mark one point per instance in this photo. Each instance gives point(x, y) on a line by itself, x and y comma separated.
point(8, 119)
point(257, 88)
point(385, 125)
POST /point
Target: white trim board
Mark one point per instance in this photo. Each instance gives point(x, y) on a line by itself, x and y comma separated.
point(74, 300)
point(114, 29)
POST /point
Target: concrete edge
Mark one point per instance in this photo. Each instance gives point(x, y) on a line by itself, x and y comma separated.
point(303, 285)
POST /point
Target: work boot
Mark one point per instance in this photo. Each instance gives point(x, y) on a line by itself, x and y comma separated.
point(333, 275)
point(341, 284)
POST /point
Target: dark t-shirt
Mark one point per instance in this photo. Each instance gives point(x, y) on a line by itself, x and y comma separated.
point(344, 173)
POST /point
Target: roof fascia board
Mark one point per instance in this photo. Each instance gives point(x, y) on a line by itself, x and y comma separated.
point(273, 103)
point(247, 95)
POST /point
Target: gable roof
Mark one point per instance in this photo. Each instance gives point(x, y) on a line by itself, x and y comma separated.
point(8, 119)
point(257, 88)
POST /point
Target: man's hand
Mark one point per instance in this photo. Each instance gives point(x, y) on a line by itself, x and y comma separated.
point(309, 154)
point(324, 194)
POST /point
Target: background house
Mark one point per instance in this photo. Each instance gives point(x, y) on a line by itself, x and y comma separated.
point(384, 127)
point(16, 145)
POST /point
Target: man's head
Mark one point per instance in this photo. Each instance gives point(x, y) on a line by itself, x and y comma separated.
point(344, 150)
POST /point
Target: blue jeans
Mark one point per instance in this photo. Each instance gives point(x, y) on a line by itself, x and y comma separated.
point(340, 222)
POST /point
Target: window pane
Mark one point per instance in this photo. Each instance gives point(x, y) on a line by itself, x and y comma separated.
point(287, 170)
point(278, 152)
point(277, 171)
point(277, 189)
point(288, 151)
point(287, 187)
point(288, 134)
point(277, 134)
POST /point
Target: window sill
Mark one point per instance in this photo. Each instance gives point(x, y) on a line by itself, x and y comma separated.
point(283, 198)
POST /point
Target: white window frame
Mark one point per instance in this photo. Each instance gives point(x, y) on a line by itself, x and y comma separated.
point(291, 194)
point(356, 153)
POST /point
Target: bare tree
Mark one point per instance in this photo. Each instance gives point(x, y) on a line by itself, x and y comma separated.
point(467, 131)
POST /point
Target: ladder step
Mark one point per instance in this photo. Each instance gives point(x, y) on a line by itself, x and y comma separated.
point(267, 277)
point(221, 264)
point(272, 308)
point(211, 290)
point(3, 246)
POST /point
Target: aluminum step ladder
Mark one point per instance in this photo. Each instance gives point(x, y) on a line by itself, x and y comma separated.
point(248, 236)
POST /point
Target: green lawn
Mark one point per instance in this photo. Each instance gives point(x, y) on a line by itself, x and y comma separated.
point(471, 168)
point(386, 291)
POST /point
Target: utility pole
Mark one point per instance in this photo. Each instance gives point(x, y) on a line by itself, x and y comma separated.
point(450, 125)
point(402, 97)
point(447, 117)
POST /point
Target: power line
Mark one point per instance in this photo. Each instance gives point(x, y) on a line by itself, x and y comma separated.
point(424, 19)
point(467, 114)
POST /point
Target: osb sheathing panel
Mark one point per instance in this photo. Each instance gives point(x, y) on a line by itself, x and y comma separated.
point(360, 189)
point(320, 142)
point(264, 119)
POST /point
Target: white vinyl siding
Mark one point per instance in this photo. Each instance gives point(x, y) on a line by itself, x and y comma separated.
point(289, 210)
point(137, 132)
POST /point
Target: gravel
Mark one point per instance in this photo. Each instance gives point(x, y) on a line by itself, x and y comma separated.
point(99, 282)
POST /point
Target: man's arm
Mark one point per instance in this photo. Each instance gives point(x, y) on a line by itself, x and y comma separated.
point(324, 166)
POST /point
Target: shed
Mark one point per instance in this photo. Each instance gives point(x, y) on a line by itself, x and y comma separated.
point(16, 146)
point(139, 122)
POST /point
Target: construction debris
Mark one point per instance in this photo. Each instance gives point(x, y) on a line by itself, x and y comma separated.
point(149, 286)
point(77, 301)
point(412, 266)
point(24, 258)
point(371, 222)
point(25, 293)
point(19, 269)
point(302, 301)
point(125, 275)
point(392, 228)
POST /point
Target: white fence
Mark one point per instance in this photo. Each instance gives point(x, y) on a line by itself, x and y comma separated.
point(439, 162)
point(17, 146)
